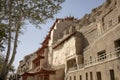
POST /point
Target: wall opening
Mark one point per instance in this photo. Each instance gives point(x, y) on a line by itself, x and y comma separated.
point(91, 76)
point(110, 23)
point(99, 77)
point(86, 76)
point(70, 78)
point(117, 43)
point(101, 55)
point(117, 46)
point(80, 77)
point(74, 77)
point(90, 59)
point(71, 64)
point(118, 19)
point(112, 75)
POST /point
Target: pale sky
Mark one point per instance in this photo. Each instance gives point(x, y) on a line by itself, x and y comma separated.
point(32, 37)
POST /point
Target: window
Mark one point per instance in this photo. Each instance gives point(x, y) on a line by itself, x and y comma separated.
point(99, 76)
point(74, 77)
point(85, 62)
point(117, 44)
point(80, 77)
point(112, 75)
point(110, 23)
point(70, 78)
point(118, 19)
point(86, 76)
point(91, 76)
point(71, 64)
point(90, 59)
point(101, 55)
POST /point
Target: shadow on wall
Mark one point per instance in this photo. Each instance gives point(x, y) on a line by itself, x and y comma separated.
point(81, 43)
point(85, 41)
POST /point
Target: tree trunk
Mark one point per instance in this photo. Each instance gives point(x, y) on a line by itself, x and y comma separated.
point(18, 26)
point(5, 69)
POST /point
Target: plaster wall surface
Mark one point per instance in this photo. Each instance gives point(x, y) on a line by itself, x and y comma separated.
point(64, 50)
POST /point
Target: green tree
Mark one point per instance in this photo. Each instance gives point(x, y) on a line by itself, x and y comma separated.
point(1, 62)
point(2, 58)
point(3, 36)
point(13, 13)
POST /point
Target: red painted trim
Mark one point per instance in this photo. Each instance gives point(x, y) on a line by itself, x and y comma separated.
point(42, 72)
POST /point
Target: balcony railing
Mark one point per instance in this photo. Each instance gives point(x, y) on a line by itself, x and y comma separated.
point(104, 57)
point(75, 68)
point(72, 68)
point(100, 59)
point(80, 66)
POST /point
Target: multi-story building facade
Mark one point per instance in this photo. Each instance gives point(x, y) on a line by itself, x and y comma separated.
point(85, 49)
point(101, 45)
point(44, 66)
point(41, 69)
point(56, 58)
point(26, 65)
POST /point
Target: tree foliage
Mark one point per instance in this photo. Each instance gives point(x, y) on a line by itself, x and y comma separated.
point(36, 11)
point(3, 36)
point(1, 62)
point(2, 58)
point(13, 13)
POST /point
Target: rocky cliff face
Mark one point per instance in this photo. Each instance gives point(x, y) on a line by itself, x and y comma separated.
point(98, 12)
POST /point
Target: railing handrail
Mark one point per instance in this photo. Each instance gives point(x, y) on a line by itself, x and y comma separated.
point(105, 56)
point(118, 48)
point(72, 68)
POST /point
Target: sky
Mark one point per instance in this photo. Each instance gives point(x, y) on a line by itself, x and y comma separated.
point(32, 38)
